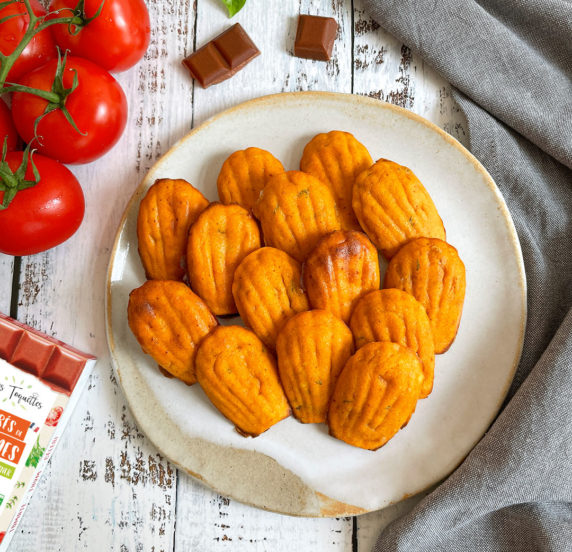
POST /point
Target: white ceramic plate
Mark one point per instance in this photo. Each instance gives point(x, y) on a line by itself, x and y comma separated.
point(299, 469)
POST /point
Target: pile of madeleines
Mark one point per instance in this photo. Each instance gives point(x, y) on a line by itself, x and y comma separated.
point(295, 253)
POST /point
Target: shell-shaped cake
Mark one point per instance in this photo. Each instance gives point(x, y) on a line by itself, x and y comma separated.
point(337, 158)
point(312, 349)
point(295, 210)
point(239, 376)
point(218, 241)
point(375, 395)
point(340, 269)
point(169, 322)
point(432, 271)
point(267, 290)
point(244, 174)
point(393, 207)
point(165, 216)
point(396, 316)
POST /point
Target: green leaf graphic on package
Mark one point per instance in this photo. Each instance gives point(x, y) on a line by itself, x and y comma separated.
point(233, 6)
point(35, 454)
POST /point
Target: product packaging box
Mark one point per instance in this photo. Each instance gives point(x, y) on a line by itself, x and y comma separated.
point(41, 380)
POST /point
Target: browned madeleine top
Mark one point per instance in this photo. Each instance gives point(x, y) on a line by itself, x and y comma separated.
point(268, 291)
point(339, 270)
point(295, 210)
point(165, 216)
point(239, 376)
point(244, 174)
point(337, 158)
point(375, 395)
point(393, 207)
point(432, 271)
point(218, 241)
point(169, 321)
point(312, 348)
point(396, 316)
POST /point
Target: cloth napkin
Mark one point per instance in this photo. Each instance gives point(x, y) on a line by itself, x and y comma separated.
point(511, 63)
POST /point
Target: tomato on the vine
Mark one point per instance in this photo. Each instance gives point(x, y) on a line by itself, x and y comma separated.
point(116, 39)
point(38, 51)
point(98, 106)
point(44, 215)
point(7, 128)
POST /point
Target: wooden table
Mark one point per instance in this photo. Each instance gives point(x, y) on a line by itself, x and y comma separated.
point(106, 487)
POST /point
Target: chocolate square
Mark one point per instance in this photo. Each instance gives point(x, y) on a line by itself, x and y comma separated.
point(315, 37)
point(236, 47)
point(207, 65)
point(222, 57)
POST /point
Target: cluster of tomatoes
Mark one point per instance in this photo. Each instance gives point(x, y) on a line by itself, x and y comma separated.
point(76, 112)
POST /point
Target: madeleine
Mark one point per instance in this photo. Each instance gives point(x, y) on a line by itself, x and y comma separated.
point(239, 376)
point(218, 241)
point(337, 158)
point(169, 321)
point(393, 207)
point(312, 349)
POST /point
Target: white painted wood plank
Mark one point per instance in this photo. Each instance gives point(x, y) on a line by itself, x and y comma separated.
point(387, 70)
point(6, 271)
point(206, 521)
point(107, 488)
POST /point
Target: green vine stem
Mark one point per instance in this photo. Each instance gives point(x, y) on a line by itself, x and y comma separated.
point(37, 24)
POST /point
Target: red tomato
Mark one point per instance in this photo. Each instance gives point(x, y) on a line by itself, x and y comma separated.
point(44, 215)
point(7, 128)
point(115, 40)
point(98, 106)
point(39, 50)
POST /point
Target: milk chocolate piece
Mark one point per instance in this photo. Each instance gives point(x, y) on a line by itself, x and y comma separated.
point(315, 37)
point(222, 57)
point(52, 361)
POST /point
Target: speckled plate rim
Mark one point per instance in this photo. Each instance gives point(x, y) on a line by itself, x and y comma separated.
point(289, 495)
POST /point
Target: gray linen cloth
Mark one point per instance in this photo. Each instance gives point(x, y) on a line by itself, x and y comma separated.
point(511, 61)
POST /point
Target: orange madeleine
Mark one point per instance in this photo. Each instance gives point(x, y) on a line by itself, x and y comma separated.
point(218, 241)
point(432, 271)
point(312, 348)
point(340, 269)
point(268, 291)
point(295, 211)
point(165, 216)
point(375, 395)
point(337, 158)
point(169, 321)
point(239, 376)
point(394, 315)
point(393, 207)
point(244, 174)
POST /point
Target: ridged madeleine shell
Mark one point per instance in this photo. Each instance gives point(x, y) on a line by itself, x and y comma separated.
point(337, 158)
point(339, 270)
point(244, 174)
point(396, 316)
point(432, 271)
point(239, 376)
point(165, 216)
point(376, 394)
point(169, 321)
point(295, 211)
point(393, 207)
point(218, 241)
point(268, 291)
point(312, 348)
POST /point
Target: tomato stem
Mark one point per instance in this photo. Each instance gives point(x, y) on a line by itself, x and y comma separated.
point(35, 25)
point(12, 182)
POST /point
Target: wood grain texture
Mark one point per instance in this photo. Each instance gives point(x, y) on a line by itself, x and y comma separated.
point(106, 487)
